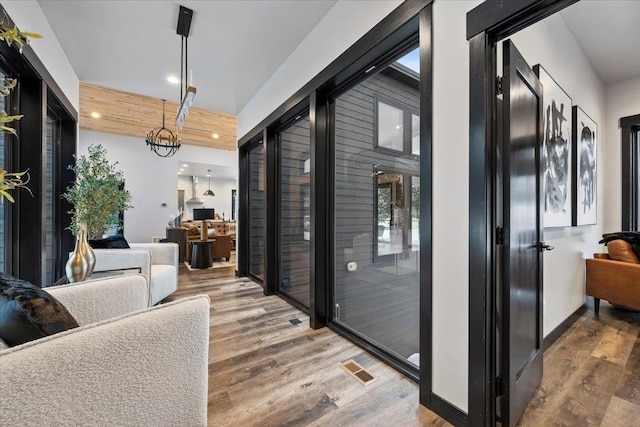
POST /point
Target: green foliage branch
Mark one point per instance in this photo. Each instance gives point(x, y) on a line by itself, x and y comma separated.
point(97, 194)
point(11, 180)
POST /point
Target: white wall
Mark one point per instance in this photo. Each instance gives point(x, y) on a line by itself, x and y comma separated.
point(551, 44)
point(341, 27)
point(152, 180)
point(28, 16)
point(451, 202)
point(623, 99)
point(221, 202)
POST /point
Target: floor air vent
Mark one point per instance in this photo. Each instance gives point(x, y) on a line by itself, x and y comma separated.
point(357, 372)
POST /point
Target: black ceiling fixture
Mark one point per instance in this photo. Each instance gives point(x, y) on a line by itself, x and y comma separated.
point(162, 141)
point(184, 26)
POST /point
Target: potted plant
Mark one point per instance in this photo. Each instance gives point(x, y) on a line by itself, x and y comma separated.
point(98, 193)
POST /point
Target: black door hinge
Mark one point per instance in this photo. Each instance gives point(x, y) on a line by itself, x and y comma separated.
point(499, 236)
point(499, 386)
point(498, 85)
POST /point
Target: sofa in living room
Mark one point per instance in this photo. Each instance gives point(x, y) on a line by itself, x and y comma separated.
point(120, 363)
point(223, 232)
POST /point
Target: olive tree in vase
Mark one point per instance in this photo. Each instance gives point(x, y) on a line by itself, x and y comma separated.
point(97, 196)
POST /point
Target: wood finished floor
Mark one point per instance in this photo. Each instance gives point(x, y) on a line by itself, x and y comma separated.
point(266, 371)
point(591, 373)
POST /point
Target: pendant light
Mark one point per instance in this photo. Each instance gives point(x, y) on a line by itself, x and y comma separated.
point(209, 192)
point(161, 140)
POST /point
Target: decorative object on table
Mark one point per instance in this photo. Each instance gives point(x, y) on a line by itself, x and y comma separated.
point(77, 267)
point(97, 195)
point(204, 214)
point(87, 252)
point(556, 152)
point(161, 140)
point(585, 183)
point(28, 312)
point(11, 180)
point(209, 192)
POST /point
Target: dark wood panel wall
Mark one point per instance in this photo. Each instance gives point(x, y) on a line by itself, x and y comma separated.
point(295, 150)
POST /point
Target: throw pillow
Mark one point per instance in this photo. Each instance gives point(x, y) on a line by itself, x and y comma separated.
point(620, 250)
point(28, 312)
point(111, 242)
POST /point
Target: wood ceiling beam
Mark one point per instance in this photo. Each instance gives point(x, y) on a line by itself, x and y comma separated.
point(130, 114)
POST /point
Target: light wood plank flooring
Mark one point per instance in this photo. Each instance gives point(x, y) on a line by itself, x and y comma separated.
point(266, 371)
point(591, 373)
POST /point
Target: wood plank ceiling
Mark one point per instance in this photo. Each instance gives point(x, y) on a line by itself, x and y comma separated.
point(130, 114)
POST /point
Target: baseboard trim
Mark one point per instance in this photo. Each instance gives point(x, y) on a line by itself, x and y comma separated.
point(449, 412)
point(565, 325)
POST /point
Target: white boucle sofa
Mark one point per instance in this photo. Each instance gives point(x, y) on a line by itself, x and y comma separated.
point(157, 261)
point(126, 364)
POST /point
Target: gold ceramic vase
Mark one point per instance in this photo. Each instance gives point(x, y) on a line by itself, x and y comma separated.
point(78, 265)
point(87, 252)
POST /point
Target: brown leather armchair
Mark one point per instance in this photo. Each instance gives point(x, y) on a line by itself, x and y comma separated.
point(615, 277)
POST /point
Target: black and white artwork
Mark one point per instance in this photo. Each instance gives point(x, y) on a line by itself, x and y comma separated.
point(585, 185)
point(556, 152)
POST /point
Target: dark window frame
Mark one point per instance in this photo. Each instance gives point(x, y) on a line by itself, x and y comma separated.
point(300, 112)
point(629, 129)
point(407, 125)
point(35, 94)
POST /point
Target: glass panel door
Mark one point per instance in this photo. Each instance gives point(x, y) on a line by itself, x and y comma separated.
point(295, 213)
point(49, 262)
point(257, 210)
point(4, 205)
point(376, 196)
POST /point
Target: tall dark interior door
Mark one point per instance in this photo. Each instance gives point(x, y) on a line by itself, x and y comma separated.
point(520, 316)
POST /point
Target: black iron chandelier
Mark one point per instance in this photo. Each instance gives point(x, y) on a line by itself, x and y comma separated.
point(162, 141)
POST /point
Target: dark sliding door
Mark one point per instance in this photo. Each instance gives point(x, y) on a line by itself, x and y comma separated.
point(295, 210)
point(257, 211)
point(377, 209)
point(5, 240)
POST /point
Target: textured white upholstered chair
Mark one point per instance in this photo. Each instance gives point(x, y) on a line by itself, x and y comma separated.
point(127, 364)
point(157, 261)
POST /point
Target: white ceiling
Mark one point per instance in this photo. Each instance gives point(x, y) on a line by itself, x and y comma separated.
point(201, 170)
point(608, 32)
point(234, 46)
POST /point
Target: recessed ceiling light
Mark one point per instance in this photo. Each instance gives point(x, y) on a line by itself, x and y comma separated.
point(173, 80)
point(215, 136)
point(95, 115)
point(179, 173)
point(181, 170)
point(185, 166)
